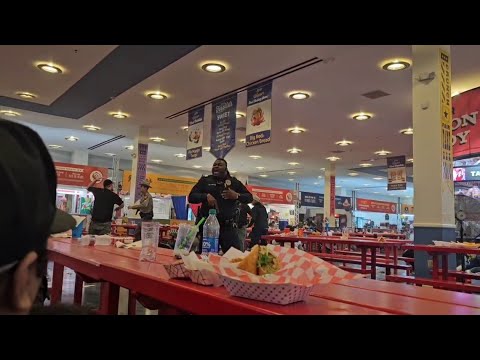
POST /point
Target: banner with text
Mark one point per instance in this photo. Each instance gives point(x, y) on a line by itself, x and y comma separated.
point(259, 115)
point(318, 200)
point(466, 132)
point(224, 123)
point(79, 175)
point(376, 206)
point(141, 168)
point(446, 117)
point(397, 173)
point(272, 195)
point(195, 133)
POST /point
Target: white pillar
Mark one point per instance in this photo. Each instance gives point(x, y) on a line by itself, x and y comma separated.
point(432, 149)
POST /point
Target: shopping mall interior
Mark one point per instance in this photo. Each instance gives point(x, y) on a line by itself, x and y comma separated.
point(347, 138)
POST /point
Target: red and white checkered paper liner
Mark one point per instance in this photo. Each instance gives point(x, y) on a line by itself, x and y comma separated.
point(297, 268)
point(177, 271)
point(201, 277)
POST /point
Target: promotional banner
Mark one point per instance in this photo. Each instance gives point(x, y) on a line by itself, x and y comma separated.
point(469, 173)
point(446, 117)
point(141, 168)
point(195, 133)
point(163, 184)
point(79, 175)
point(466, 132)
point(407, 209)
point(376, 206)
point(259, 115)
point(224, 123)
point(332, 196)
point(272, 195)
point(397, 173)
point(318, 200)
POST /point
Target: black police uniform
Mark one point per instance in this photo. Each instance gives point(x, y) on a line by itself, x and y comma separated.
point(227, 209)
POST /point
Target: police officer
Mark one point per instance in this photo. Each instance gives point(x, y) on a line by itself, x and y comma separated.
point(220, 191)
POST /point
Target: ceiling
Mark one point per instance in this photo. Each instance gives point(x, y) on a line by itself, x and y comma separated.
point(100, 79)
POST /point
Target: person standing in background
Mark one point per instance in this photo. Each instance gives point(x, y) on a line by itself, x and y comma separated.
point(259, 221)
point(327, 225)
point(145, 206)
point(242, 222)
point(102, 211)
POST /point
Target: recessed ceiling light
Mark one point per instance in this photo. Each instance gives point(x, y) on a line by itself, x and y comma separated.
point(207, 148)
point(197, 166)
point(291, 173)
point(293, 163)
point(9, 113)
point(50, 68)
point(129, 147)
point(91, 127)
point(55, 146)
point(361, 116)
point(353, 174)
point(408, 131)
point(291, 179)
point(180, 155)
point(157, 139)
point(377, 178)
point(344, 143)
point(316, 183)
point(239, 115)
point(255, 157)
point(156, 160)
point(184, 128)
point(382, 152)
point(296, 130)
point(213, 67)
point(119, 115)
point(338, 186)
point(294, 150)
point(376, 192)
point(233, 171)
point(320, 176)
point(243, 140)
point(156, 95)
point(365, 165)
point(26, 95)
point(395, 65)
point(332, 158)
point(110, 154)
point(264, 175)
point(71, 138)
point(410, 160)
point(322, 169)
point(260, 167)
point(299, 95)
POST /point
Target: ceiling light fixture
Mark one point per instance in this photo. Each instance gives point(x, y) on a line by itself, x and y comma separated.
point(291, 173)
point(294, 150)
point(26, 95)
point(408, 131)
point(156, 160)
point(382, 152)
point(110, 154)
point(361, 116)
point(119, 115)
point(296, 130)
point(378, 178)
point(180, 155)
point(299, 95)
point(260, 167)
point(207, 148)
point(410, 160)
point(353, 174)
point(293, 163)
point(184, 128)
point(129, 147)
point(291, 179)
point(243, 141)
point(157, 95)
point(55, 146)
point(365, 165)
point(214, 67)
point(395, 65)
point(239, 115)
point(50, 68)
point(255, 157)
point(91, 127)
point(71, 138)
point(316, 183)
point(157, 139)
point(9, 113)
point(197, 166)
point(264, 175)
point(332, 158)
point(233, 171)
point(344, 143)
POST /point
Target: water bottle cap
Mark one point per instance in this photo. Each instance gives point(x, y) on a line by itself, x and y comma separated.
point(212, 212)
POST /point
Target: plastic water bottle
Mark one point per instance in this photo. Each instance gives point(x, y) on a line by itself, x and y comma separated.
point(211, 233)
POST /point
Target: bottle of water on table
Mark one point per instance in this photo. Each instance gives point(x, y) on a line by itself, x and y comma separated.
point(211, 233)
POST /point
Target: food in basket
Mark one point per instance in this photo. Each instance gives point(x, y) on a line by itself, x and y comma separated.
point(236, 260)
point(260, 261)
point(381, 239)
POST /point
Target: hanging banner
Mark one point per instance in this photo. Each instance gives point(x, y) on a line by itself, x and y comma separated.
point(466, 132)
point(79, 175)
point(397, 173)
point(318, 200)
point(259, 115)
point(272, 195)
point(195, 133)
point(141, 168)
point(376, 206)
point(446, 117)
point(224, 123)
point(332, 195)
point(407, 209)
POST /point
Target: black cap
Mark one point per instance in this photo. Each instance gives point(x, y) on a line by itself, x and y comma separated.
point(28, 182)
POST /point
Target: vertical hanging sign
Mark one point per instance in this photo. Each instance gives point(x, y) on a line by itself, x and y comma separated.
point(195, 133)
point(397, 173)
point(259, 114)
point(224, 123)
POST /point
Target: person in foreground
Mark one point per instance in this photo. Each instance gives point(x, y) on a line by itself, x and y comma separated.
point(221, 191)
point(28, 180)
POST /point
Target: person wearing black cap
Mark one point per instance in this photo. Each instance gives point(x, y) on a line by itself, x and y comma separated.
point(102, 210)
point(145, 206)
point(29, 182)
point(220, 191)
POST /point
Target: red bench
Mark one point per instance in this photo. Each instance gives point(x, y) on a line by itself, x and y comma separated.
point(436, 283)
